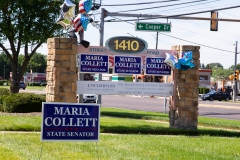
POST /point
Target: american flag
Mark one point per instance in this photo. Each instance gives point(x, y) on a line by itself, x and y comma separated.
point(77, 23)
point(84, 6)
point(80, 23)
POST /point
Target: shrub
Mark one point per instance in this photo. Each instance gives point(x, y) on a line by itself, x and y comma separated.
point(33, 84)
point(4, 91)
point(200, 90)
point(2, 82)
point(203, 90)
point(2, 97)
point(128, 79)
point(207, 90)
point(23, 103)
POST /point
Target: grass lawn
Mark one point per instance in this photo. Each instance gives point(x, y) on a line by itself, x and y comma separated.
point(24, 146)
point(125, 135)
point(29, 87)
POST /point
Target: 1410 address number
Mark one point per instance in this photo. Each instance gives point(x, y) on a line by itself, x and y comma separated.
point(126, 44)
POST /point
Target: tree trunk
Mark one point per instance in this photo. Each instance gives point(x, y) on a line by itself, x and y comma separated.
point(14, 88)
point(15, 80)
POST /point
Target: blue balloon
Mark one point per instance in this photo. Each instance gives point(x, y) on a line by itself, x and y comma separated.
point(84, 21)
point(185, 62)
point(87, 5)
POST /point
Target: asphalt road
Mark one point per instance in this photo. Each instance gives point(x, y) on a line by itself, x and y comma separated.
point(222, 109)
point(219, 109)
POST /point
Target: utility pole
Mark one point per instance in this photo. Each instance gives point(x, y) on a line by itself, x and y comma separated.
point(157, 41)
point(235, 90)
point(101, 30)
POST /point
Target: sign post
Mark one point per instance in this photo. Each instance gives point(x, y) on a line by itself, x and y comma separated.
point(152, 27)
point(70, 122)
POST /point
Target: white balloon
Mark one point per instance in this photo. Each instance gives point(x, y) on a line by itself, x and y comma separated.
point(68, 10)
point(171, 60)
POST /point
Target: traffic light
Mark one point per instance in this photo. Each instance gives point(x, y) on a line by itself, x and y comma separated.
point(236, 75)
point(231, 77)
point(214, 23)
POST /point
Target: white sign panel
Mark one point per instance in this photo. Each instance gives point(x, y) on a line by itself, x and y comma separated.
point(124, 88)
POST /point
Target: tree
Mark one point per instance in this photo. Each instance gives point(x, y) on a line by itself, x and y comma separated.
point(5, 66)
point(38, 63)
point(26, 24)
point(214, 65)
point(237, 66)
point(220, 74)
point(202, 66)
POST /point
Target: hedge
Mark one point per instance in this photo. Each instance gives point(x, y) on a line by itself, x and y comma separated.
point(128, 79)
point(2, 82)
point(21, 103)
point(4, 91)
point(203, 90)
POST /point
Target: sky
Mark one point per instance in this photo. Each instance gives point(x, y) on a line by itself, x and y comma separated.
point(215, 46)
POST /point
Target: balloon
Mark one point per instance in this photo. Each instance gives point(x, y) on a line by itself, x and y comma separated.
point(185, 62)
point(80, 23)
point(69, 20)
point(171, 60)
point(63, 22)
point(84, 6)
point(68, 9)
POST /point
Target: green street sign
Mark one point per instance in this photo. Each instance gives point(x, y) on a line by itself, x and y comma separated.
point(152, 27)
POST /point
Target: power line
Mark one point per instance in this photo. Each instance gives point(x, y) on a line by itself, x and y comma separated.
point(163, 6)
point(192, 42)
point(139, 3)
point(197, 43)
point(184, 7)
point(178, 15)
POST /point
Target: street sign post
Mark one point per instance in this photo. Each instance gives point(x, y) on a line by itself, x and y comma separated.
point(70, 122)
point(152, 27)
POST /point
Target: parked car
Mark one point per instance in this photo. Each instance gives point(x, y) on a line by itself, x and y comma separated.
point(214, 95)
point(22, 85)
point(89, 98)
point(43, 83)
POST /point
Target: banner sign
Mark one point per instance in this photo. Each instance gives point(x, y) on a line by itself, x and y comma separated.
point(124, 88)
point(157, 66)
point(94, 63)
point(127, 65)
point(105, 51)
point(70, 122)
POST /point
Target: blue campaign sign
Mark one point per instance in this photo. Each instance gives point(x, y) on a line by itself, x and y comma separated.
point(94, 63)
point(157, 66)
point(127, 65)
point(70, 122)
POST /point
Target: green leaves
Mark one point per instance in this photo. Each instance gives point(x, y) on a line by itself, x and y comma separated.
point(220, 74)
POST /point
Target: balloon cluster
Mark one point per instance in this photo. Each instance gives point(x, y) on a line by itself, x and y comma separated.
point(184, 63)
point(69, 20)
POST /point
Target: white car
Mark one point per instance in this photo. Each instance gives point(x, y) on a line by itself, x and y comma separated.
point(89, 98)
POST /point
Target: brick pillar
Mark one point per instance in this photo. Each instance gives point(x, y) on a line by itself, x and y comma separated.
point(184, 105)
point(61, 70)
